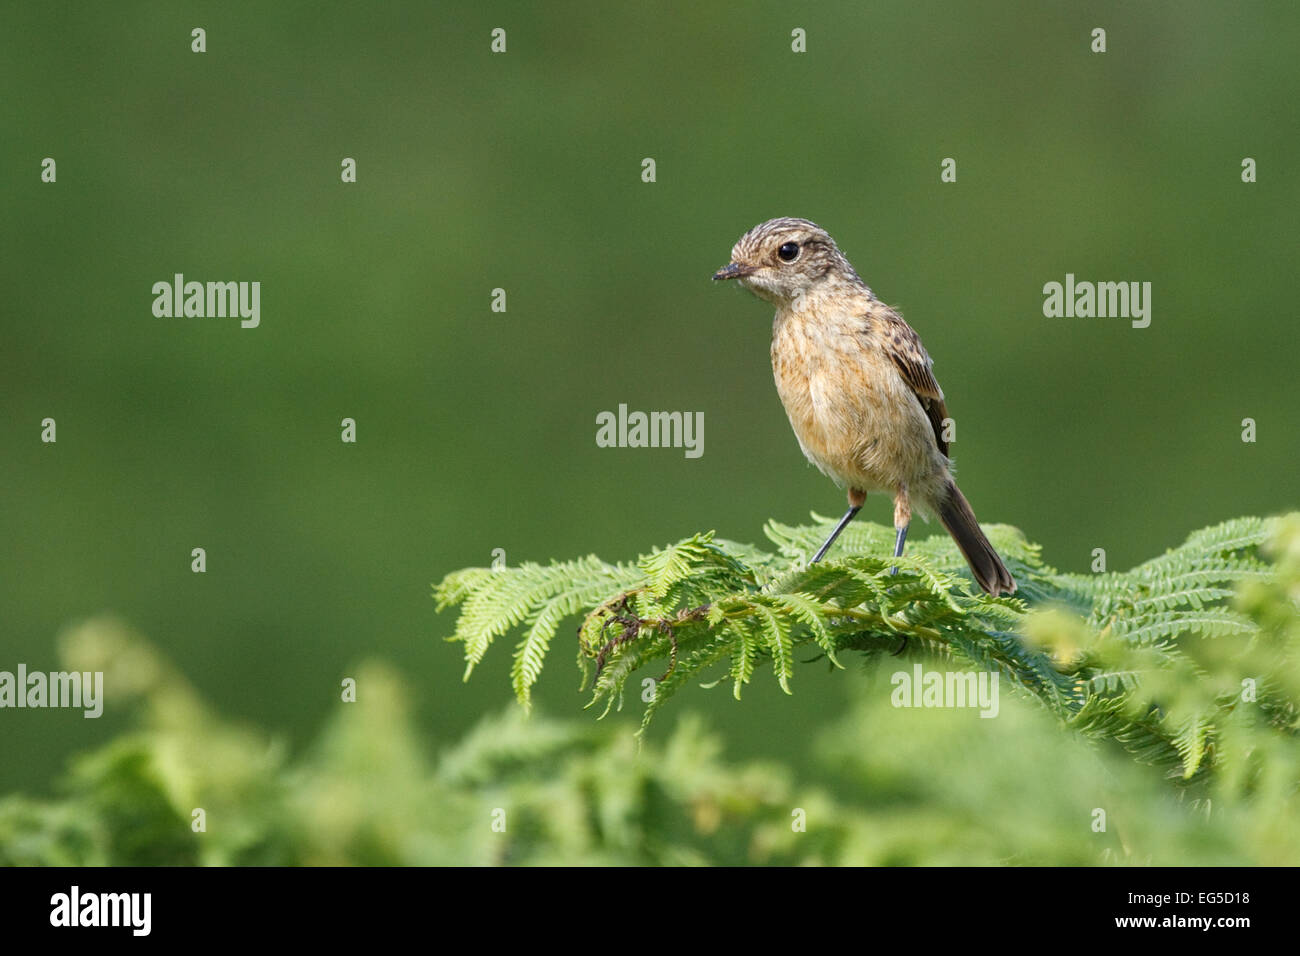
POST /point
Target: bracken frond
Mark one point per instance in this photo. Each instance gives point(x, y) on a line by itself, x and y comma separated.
point(1148, 658)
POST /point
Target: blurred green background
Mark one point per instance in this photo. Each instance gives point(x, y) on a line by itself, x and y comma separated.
point(476, 430)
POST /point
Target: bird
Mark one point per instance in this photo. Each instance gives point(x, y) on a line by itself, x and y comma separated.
point(858, 387)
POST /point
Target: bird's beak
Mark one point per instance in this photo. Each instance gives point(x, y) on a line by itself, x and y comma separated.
point(734, 271)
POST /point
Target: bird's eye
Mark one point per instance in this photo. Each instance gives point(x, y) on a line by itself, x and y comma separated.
point(789, 252)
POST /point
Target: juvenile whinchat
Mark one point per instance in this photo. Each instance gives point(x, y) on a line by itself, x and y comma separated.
point(858, 386)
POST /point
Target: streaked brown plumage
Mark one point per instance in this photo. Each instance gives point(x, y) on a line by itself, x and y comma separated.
point(858, 386)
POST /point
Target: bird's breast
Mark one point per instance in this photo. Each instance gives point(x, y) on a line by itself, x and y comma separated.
point(853, 414)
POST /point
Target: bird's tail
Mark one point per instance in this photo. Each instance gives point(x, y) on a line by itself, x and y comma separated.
point(989, 571)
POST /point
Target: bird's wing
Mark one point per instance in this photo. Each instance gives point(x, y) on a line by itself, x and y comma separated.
point(914, 364)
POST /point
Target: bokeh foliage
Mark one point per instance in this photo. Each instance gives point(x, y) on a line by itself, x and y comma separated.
point(912, 786)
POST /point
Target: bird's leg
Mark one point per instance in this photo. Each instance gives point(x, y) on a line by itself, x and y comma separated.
point(848, 516)
point(898, 545)
point(902, 519)
point(856, 500)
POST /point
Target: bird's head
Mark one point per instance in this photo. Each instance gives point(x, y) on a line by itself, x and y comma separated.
point(783, 260)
